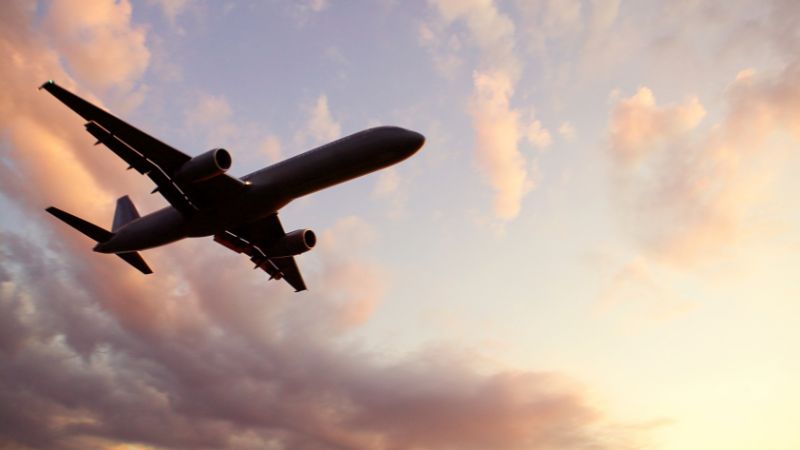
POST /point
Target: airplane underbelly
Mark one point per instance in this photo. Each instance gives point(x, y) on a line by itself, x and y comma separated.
point(153, 230)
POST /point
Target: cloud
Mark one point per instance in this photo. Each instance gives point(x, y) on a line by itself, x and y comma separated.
point(636, 290)
point(317, 5)
point(638, 126)
point(443, 50)
point(213, 116)
point(47, 142)
point(567, 131)
point(491, 30)
point(211, 365)
point(561, 17)
point(693, 195)
point(388, 183)
point(392, 189)
point(497, 134)
point(550, 26)
point(98, 41)
point(538, 136)
point(497, 126)
point(171, 8)
point(304, 10)
point(320, 125)
point(271, 147)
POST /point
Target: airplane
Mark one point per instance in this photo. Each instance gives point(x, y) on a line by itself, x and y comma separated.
point(240, 213)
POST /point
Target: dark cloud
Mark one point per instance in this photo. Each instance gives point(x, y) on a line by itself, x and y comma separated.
point(78, 368)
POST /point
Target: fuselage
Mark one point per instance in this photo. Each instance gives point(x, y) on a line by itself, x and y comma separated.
point(267, 190)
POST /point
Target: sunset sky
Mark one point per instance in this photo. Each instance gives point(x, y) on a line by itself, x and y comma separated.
point(598, 247)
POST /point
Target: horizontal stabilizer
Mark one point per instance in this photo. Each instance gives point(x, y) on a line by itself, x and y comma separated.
point(136, 260)
point(100, 235)
point(87, 228)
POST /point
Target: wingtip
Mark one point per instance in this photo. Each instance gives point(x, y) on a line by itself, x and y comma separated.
point(46, 83)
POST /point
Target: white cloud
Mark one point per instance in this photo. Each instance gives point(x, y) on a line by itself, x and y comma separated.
point(562, 17)
point(491, 30)
point(271, 147)
point(390, 188)
point(302, 11)
point(212, 115)
point(567, 131)
point(320, 125)
point(636, 292)
point(171, 8)
point(538, 136)
point(317, 5)
point(443, 50)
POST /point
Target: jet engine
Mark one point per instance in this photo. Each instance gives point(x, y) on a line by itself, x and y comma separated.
point(204, 166)
point(294, 243)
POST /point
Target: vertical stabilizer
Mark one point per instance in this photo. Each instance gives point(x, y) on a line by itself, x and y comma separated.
point(124, 213)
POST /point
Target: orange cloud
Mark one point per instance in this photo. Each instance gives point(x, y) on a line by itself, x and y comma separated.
point(98, 41)
point(497, 126)
point(497, 134)
point(53, 159)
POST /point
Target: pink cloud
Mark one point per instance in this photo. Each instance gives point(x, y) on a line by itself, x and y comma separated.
point(638, 126)
point(98, 40)
point(498, 128)
point(692, 196)
point(497, 134)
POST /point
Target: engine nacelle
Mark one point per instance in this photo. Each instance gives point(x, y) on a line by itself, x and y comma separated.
point(204, 166)
point(294, 243)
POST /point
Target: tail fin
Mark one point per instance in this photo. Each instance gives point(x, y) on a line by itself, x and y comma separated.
point(124, 213)
point(100, 235)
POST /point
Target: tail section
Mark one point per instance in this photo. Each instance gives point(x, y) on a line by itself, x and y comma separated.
point(125, 212)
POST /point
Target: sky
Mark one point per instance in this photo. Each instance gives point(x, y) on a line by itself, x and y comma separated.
point(598, 247)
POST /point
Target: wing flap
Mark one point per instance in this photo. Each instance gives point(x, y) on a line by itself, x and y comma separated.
point(291, 273)
point(165, 185)
point(252, 240)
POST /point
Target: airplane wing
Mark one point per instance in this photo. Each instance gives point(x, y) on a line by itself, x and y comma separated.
point(253, 238)
point(147, 155)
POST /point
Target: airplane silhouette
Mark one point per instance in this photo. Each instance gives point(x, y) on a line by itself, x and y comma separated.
point(241, 213)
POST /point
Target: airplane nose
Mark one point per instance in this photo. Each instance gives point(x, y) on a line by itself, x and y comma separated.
point(417, 139)
point(412, 141)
